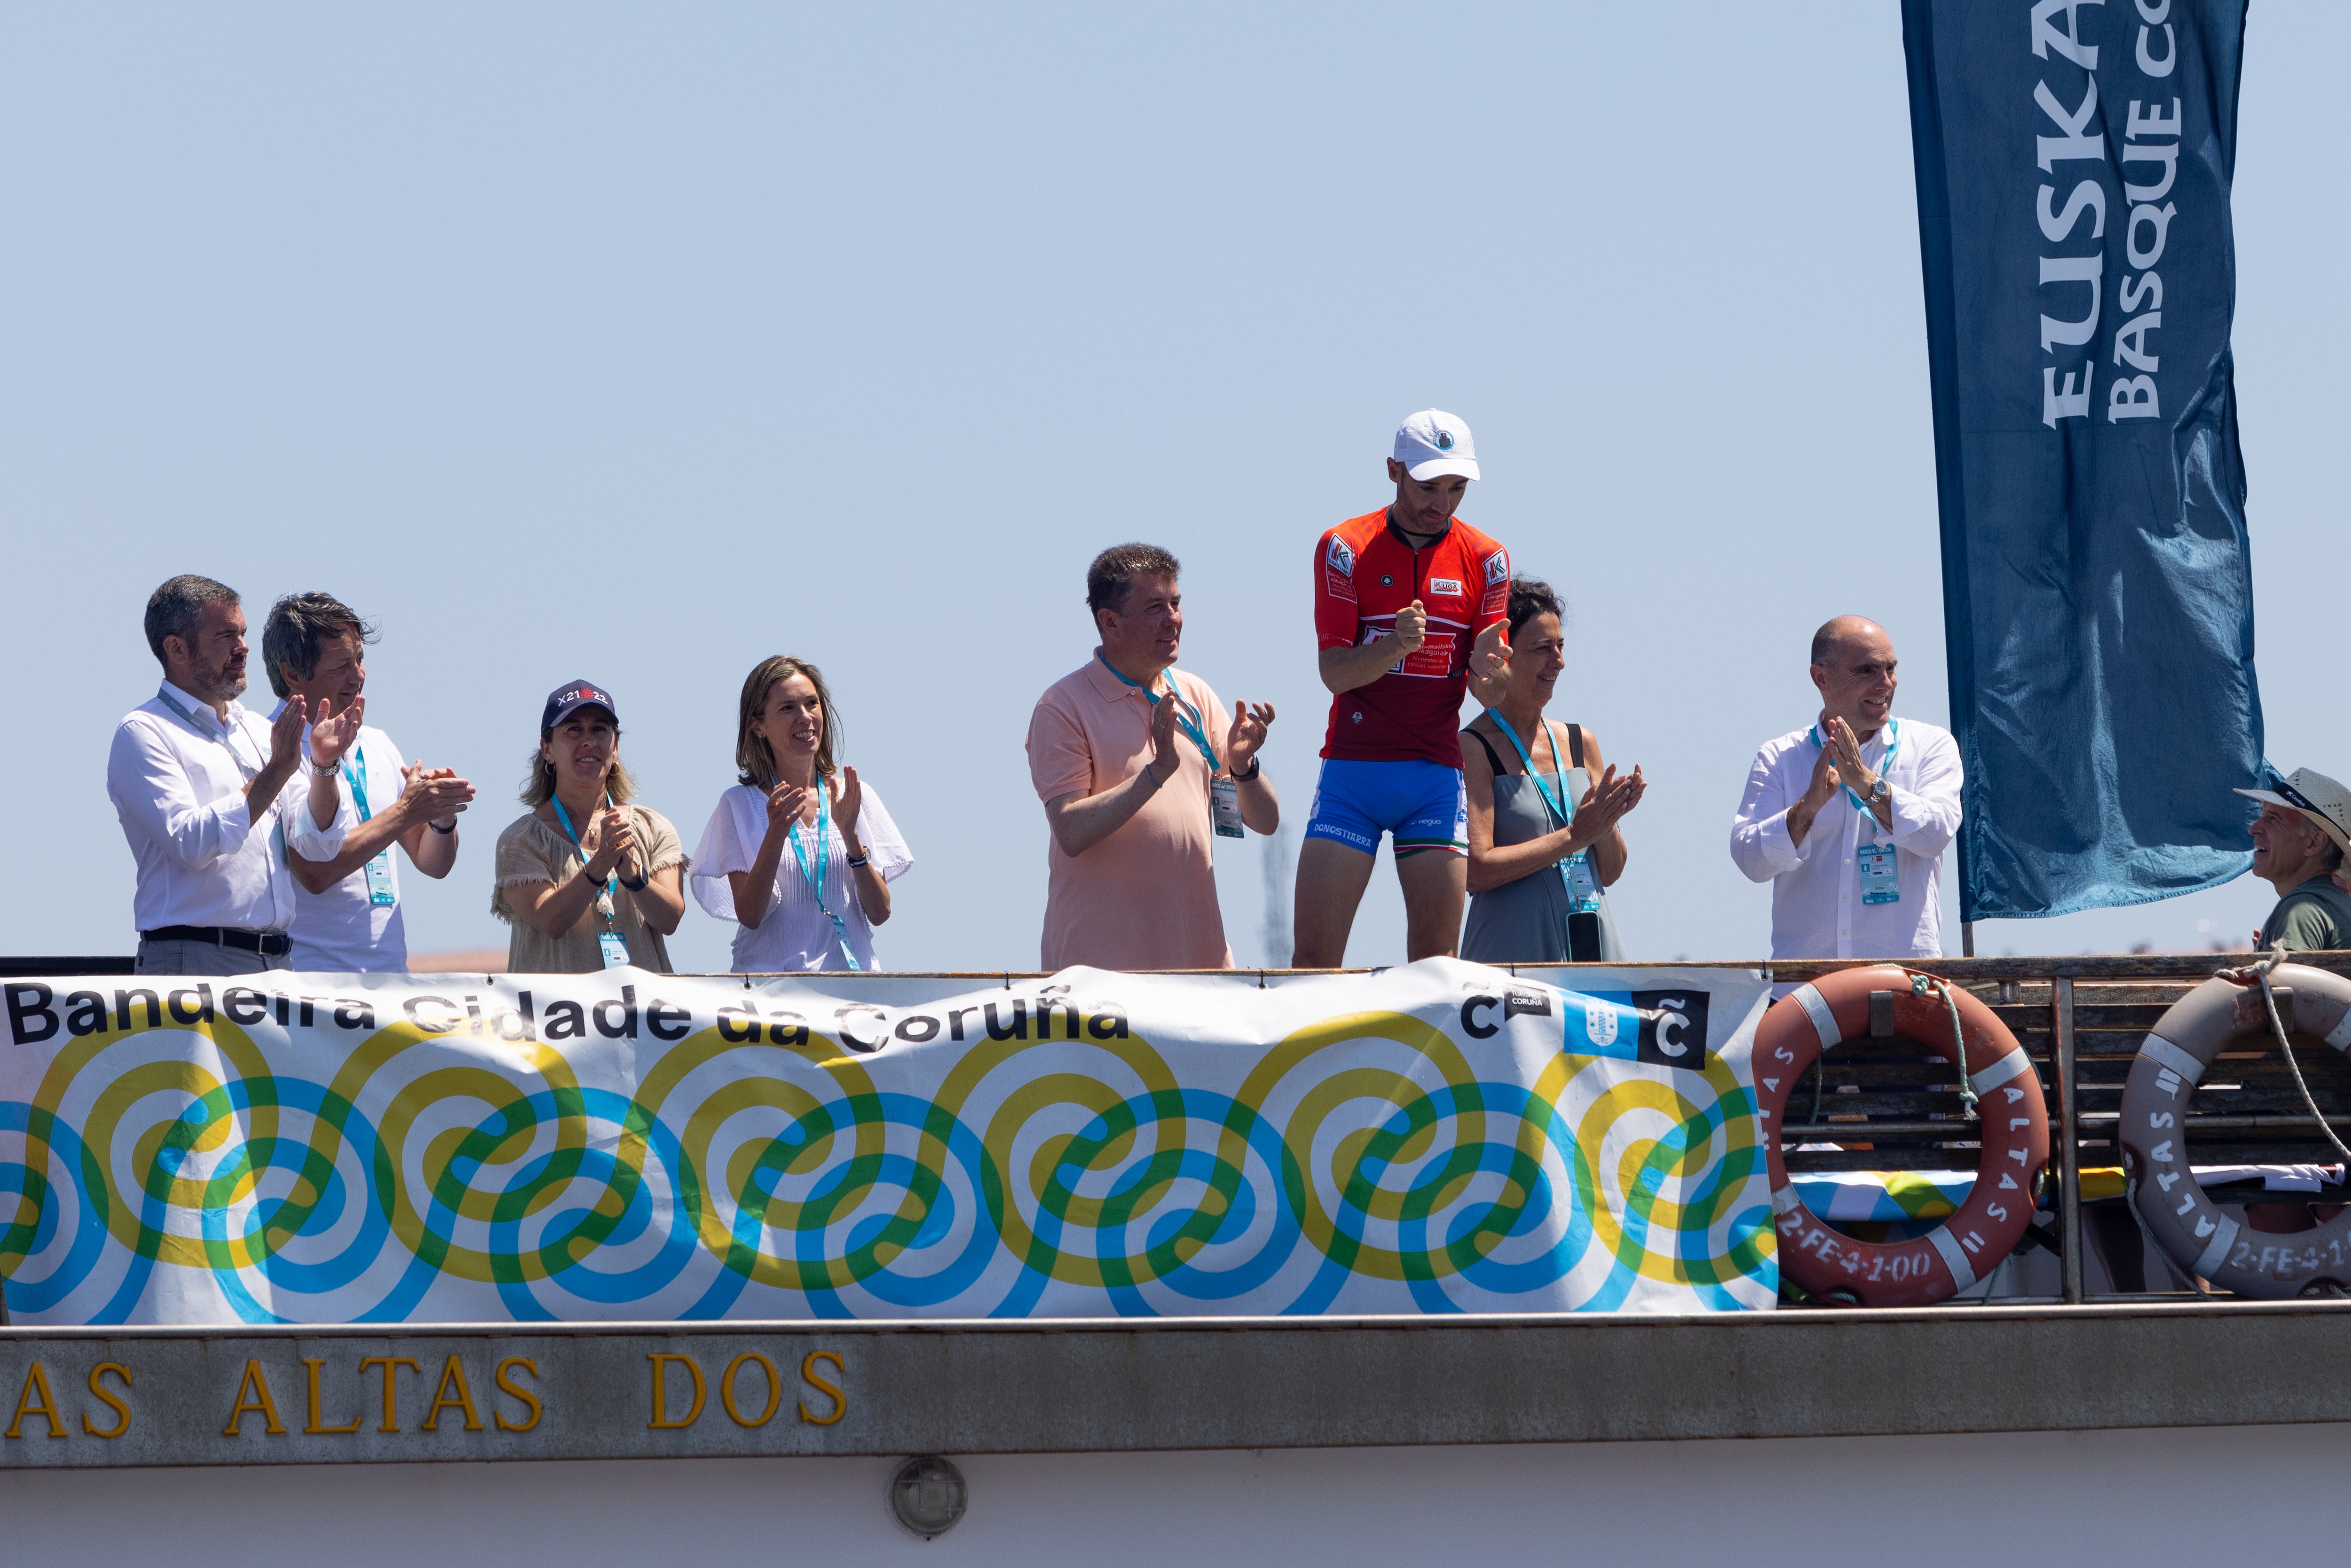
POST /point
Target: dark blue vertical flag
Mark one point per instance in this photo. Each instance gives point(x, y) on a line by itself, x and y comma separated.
point(2074, 159)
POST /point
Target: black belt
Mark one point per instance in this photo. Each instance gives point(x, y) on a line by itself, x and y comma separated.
point(268, 944)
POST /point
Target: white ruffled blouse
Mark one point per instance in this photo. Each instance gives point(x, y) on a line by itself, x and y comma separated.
point(795, 933)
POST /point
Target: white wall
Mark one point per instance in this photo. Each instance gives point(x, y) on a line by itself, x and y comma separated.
point(2206, 1495)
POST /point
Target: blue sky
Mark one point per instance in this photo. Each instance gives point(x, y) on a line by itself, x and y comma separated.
point(640, 343)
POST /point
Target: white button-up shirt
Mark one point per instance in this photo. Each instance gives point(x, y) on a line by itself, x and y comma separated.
point(1817, 910)
point(179, 789)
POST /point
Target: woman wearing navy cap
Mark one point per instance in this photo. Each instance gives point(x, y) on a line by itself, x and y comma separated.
point(587, 880)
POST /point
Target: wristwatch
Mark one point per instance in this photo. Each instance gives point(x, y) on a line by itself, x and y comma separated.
point(1879, 790)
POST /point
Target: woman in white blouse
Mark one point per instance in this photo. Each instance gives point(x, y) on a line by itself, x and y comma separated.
point(801, 854)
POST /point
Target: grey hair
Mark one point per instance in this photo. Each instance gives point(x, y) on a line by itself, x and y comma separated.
point(174, 610)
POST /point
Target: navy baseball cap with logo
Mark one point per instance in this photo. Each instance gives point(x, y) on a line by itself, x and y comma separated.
point(574, 694)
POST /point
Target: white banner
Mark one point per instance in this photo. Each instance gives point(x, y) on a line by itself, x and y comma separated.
point(339, 1148)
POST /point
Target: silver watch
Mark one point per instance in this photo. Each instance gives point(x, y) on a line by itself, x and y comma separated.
point(1879, 790)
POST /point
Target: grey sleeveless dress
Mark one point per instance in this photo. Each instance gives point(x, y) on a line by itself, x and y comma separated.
point(1525, 921)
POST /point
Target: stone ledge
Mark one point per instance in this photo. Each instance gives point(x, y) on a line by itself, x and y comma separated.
point(586, 1390)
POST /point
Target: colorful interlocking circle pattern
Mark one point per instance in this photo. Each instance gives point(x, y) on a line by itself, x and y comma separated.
point(1112, 1145)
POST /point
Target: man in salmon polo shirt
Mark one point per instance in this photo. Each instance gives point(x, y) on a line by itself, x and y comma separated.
point(1410, 609)
point(1140, 771)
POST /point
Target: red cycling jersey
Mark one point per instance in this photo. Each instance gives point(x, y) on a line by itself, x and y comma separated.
point(1363, 574)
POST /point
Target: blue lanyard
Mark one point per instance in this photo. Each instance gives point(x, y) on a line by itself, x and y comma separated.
point(1557, 803)
point(190, 719)
point(823, 860)
point(359, 791)
point(612, 878)
point(1893, 739)
point(1187, 715)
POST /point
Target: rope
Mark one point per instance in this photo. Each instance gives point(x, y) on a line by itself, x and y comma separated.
point(2259, 970)
point(1927, 985)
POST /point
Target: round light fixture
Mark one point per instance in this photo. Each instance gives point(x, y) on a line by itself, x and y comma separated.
point(927, 1495)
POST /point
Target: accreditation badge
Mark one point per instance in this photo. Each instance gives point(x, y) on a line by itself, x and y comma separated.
point(1225, 808)
point(1880, 883)
point(1582, 884)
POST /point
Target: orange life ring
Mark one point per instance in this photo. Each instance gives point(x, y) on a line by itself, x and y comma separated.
point(2012, 1121)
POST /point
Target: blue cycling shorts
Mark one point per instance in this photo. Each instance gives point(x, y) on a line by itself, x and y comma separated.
point(1420, 802)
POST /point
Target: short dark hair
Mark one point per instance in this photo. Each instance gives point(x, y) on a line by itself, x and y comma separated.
point(174, 608)
point(1115, 570)
point(1530, 597)
point(298, 625)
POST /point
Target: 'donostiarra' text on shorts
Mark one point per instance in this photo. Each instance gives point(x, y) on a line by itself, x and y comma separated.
point(1421, 803)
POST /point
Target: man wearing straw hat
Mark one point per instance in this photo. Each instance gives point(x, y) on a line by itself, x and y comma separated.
point(2299, 841)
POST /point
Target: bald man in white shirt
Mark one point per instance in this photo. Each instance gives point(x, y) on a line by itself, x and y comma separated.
point(1848, 816)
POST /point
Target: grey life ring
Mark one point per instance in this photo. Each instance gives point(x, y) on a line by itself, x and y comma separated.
point(2210, 1018)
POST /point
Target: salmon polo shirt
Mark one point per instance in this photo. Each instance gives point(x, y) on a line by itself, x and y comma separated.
point(1144, 897)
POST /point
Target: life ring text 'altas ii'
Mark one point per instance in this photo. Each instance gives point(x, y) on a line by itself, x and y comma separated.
point(2012, 1123)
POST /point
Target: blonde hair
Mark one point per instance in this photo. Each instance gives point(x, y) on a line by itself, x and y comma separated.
point(754, 758)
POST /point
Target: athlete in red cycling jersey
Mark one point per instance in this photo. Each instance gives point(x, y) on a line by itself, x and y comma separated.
point(1410, 608)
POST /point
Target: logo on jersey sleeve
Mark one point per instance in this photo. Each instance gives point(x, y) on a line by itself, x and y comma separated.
point(1339, 571)
point(1448, 586)
point(1498, 567)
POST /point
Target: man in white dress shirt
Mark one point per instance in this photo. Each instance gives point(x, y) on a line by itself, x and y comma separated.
point(1848, 816)
point(347, 911)
point(201, 787)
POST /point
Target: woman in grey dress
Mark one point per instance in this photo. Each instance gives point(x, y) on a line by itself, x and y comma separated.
point(1543, 849)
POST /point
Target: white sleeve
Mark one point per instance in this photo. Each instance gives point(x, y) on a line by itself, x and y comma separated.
point(154, 799)
point(1926, 813)
point(892, 857)
point(1760, 842)
point(720, 852)
point(305, 837)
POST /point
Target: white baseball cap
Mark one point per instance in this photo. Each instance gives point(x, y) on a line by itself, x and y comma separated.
point(1432, 443)
point(2316, 797)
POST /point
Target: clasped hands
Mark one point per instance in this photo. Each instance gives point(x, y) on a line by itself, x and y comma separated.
point(434, 795)
point(609, 842)
point(1839, 763)
point(787, 801)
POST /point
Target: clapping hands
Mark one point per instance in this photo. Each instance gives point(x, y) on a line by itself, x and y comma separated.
point(847, 802)
point(331, 734)
point(434, 795)
point(1605, 803)
point(1246, 736)
point(610, 839)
